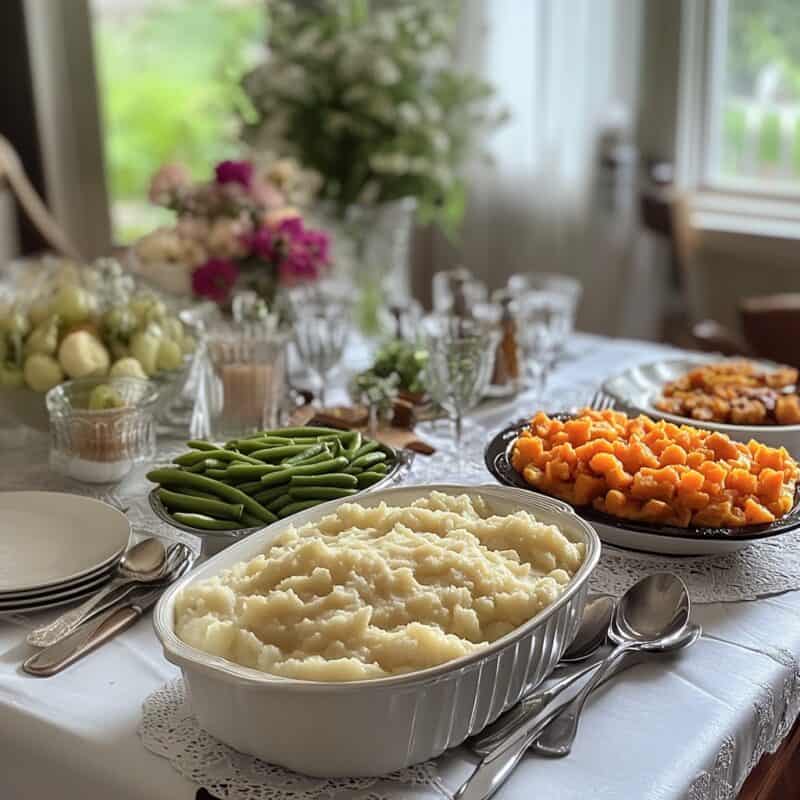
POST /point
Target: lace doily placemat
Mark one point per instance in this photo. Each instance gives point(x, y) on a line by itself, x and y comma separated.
point(168, 729)
point(761, 570)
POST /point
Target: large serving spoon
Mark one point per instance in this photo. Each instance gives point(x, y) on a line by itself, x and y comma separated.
point(145, 562)
point(556, 740)
point(651, 612)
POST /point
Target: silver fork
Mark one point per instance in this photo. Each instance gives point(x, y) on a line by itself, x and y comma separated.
point(601, 401)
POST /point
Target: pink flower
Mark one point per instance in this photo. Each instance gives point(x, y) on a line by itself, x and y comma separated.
point(169, 179)
point(215, 279)
point(267, 195)
point(235, 172)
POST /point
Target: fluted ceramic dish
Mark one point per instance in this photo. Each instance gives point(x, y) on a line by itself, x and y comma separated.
point(372, 727)
point(650, 537)
point(638, 388)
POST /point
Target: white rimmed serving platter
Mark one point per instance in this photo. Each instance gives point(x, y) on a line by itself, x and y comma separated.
point(52, 540)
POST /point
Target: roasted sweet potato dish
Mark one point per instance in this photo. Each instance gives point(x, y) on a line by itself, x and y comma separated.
point(640, 469)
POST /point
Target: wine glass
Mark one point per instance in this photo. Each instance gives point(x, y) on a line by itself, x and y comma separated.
point(558, 294)
point(322, 316)
point(461, 355)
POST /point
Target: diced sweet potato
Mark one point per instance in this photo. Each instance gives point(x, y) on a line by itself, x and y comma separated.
point(756, 514)
point(586, 451)
point(587, 488)
point(578, 430)
point(744, 482)
point(656, 511)
point(672, 454)
point(770, 484)
point(692, 481)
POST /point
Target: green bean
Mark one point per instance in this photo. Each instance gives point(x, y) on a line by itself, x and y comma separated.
point(318, 493)
point(251, 521)
point(382, 467)
point(201, 466)
point(326, 455)
point(368, 460)
point(277, 453)
point(352, 447)
point(252, 445)
point(302, 432)
point(283, 475)
point(270, 494)
point(250, 487)
point(304, 454)
point(195, 493)
point(368, 478)
point(205, 523)
point(187, 459)
point(250, 471)
point(200, 444)
point(276, 505)
point(367, 447)
point(176, 501)
point(339, 479)
point(293, 508)
point(173, 477)
point(219, 474)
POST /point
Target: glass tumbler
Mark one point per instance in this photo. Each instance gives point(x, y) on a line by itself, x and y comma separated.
point(243, 386)
point(101, 445)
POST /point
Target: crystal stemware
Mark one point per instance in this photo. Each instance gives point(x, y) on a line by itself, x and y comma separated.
point(461, 355)
point(322, 319)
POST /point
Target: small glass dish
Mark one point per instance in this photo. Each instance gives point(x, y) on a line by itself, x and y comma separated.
point(101, 446)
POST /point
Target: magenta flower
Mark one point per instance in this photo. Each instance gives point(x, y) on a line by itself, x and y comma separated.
point(295, 253)
point(235, 172)
point(262, 244)
point(215, 279)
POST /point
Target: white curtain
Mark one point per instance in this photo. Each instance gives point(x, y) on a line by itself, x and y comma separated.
point(562, 68)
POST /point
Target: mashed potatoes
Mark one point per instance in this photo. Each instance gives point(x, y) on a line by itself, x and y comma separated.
point(371, 592)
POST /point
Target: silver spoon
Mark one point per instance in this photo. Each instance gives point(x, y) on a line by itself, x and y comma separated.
point(557, 738)
point(652, 610)
point(145, 562)
point(592, 633)
point(651, 616)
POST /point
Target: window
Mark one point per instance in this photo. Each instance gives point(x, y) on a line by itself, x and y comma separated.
point(741, 96)
point(168, 84)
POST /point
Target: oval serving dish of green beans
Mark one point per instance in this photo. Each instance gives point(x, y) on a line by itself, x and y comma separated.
point(245, 484)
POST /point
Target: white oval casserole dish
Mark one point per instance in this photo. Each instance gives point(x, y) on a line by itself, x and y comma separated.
point(372, 727)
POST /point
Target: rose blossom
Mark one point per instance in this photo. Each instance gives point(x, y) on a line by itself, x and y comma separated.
point(168, 180)
point(215, 279)
point(266, 194)
point(226, 239)
point(274, 218)
point(234, 172)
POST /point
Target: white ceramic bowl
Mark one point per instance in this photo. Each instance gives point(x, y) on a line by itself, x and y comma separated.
point(373, 727)
point(639, 387)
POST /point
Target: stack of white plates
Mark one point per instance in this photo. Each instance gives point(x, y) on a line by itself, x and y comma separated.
point(56, 548)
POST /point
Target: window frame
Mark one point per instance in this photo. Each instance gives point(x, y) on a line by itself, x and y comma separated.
point(68, 120)
point(701, 76)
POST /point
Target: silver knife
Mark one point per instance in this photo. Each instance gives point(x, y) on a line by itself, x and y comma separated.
point(91, 634)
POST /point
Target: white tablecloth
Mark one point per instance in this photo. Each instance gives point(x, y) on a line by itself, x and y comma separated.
point(692, 730)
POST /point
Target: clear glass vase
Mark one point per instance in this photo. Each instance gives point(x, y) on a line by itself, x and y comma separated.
point(371, 246)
